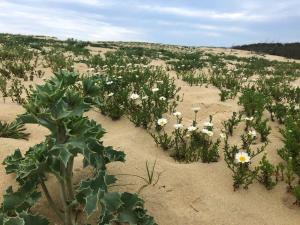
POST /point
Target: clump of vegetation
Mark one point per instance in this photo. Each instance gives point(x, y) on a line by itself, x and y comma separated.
point(238, 160)
point(3, 87)
point(14, 130)
point(58, 61)
point(189, 144)
point(266, 173)
point(289, 50)
point(263, 129)
point(231, 123)
point(16, 91)
point(253, 102)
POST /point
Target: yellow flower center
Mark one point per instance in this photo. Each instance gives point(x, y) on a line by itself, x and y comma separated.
point(242, 158)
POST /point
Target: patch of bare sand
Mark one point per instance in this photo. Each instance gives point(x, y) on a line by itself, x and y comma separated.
point(98, 50)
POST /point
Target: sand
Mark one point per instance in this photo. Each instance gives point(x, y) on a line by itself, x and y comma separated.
point(186, 194)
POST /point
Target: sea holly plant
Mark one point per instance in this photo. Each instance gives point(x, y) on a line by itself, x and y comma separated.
point(59, 105)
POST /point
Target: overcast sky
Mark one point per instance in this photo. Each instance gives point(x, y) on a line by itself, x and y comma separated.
point(185, 22)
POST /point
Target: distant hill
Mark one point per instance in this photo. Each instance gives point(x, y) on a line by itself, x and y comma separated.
point(289, 50)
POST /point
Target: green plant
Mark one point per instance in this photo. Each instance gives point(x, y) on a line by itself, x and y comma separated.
point(253, 102)
point(13, 130)
point(16, 91)
point(289, 174)
point(248, 139)
point(296, 193)
point(266, 173)
point(280, 112)
point(291, 139)
point(202, 147)
point(224, 94)
point(238, 160)
point(263, 129)
point(232, 122)
point(249, 123)
point(279, 172)
point(59, 105)
point(3, 87)
point(162, 138)
point(58, 61)
point(150, 180)
point(192, 144)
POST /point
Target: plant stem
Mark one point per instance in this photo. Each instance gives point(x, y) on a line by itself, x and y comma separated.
point(50, 200)
point(70, 188)
point(66, 189)
point(67, 208)
point(69, 179)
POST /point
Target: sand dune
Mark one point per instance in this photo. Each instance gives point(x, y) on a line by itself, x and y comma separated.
point(186, 194)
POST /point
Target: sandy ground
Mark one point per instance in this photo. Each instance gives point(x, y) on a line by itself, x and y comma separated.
point(186, 194)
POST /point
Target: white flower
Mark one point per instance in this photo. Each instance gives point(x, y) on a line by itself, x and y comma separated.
point(297, 107)
point(162, 98)
point(208, 124)
point(252, 133)
point(177, 114)
point(109, 82)
point(110, 94)
point(119, 77)
point(155, 89)
point(222, 135)
point(178, 126)
point(145, 97)
point(204, 131)
point(192, 128)
point(208, 132)
point(162, 122)
point(195, 109)
point(242, 157)
point(134, 96)
point(159, 82)
point(249, 118)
